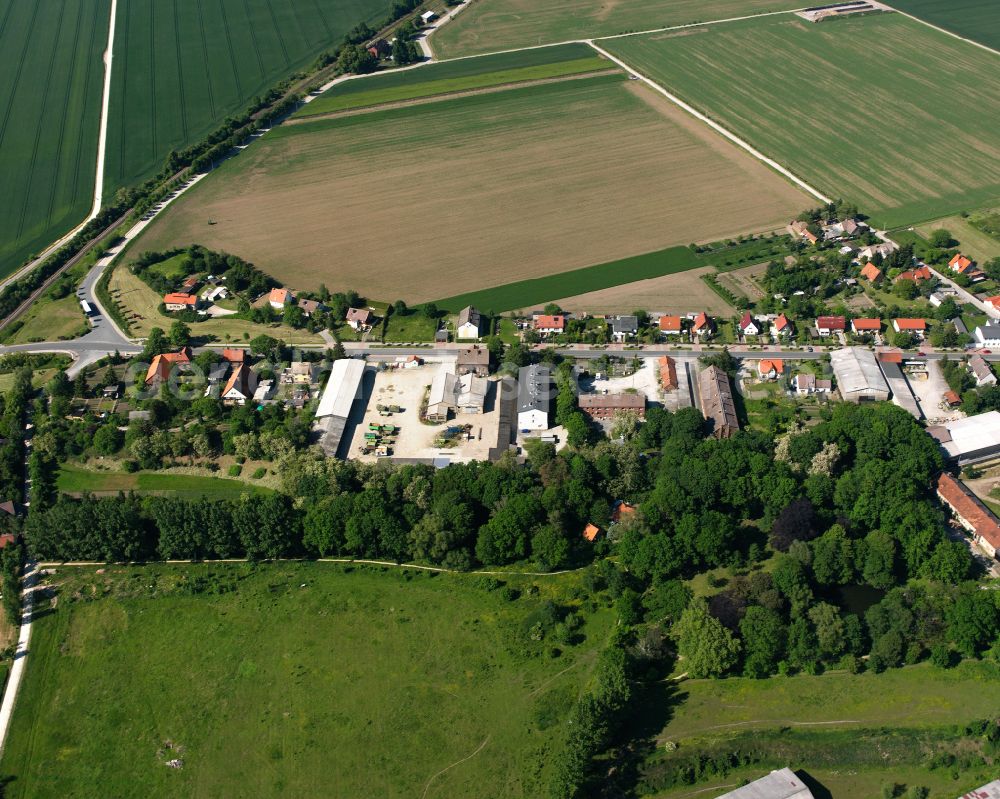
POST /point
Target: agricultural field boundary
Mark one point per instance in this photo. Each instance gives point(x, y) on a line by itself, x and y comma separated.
point(945, 31)
point(725, 132)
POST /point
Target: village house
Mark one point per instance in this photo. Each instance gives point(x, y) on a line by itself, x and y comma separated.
point(470, 323)
point(621, 511)
point(359, 319)
point(162, 365)
point(280, 299)
point(671, 325)
point(861, 327)
point(871, 273)
point(828, 325)
point(668, 373)
point(960, 264)
point(770, 369)
point(988, 335)
point(781, 327)
point(591, 532)
point(234, 355)
point(952, 399)
point(534, 397)
point(981, 371)
point(992, 305)
point(916, 275)
point(264, 391)
point(622, 327)
point(605, 406)
point(310, 307)
point(970, 512)
point(473, 360)
point(550, 324)
point(300, 373)
point(748, 326)
point(806, 384)
point(409, 362)
point(915, 327)
point(800, 230)
point(881, 250)
point(176, 301)
point(237, 389)
point(703, 326)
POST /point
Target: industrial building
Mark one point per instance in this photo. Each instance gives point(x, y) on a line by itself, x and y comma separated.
point(902, 394)
point(970, 512)
point(342, 389)
point(781, 784)
point(605, 406)
point(970, 440)
point(991, 791)
point(717, 404)
point(859, 378)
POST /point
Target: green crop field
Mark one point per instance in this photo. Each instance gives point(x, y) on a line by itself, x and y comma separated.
point(50, 101)
point(74, 480)
point(455, 76)
point(491, 25)
point(978, 20)
point(182, 66)
point(305, 680)
point(879, 110)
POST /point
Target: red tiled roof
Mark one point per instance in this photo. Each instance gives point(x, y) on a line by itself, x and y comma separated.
point(177, 298)
point(781, 323)
point(965, 504)
point(952, 398)
point(960, 263)
point(591, 531)
point(890, 357)
point(546, 322)
point(831, 322)
point(746, 320)
point(621, 510)
point(701, 321)
point(668, 373)
point(871, 272)
point(867, 324)
point(670, 324)
point(767, 366)
point(161, 365)
point(234, 355)
point(910, 324)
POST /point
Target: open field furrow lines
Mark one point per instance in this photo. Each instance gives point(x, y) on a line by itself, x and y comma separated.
point(152, 84)
point(39, 128)
point(318, 13)
point(253, 39)
point(205, 58)
point(278, 33)
point(229, 46)
point(989, 29)
point(121, 110)
point(182, 105)
point(5, 18)
point(18, 72)
point(64, 106)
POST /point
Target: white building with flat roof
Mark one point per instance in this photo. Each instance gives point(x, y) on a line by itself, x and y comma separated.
point(975, 438)
point(781, 784)
point(991, 791)
point(342, 389)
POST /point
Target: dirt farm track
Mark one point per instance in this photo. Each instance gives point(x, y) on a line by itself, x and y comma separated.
point(432, 200)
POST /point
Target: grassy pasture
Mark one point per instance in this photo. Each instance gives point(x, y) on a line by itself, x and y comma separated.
point(490, 25)
point(915, 139)
point(182, 66)
point(978, 20)
point(306, 679)
point(455, 76)
point(74, 480)
point(50, 101)
point(458, 195)
point(972, 241)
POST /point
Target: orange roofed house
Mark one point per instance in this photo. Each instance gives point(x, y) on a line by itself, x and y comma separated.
point(864, 326)
point(871, 272)
point(781, 327)
point(971, 513)
point(916, 275)
point(916, 327)
point(960, 264)
point(671, 325)
point(770, 369)
point(546, 324)
point(703, 326)
point(280, 298)
point(591, 531)
point(179, 301)
point(668, 374)
point(159, 370)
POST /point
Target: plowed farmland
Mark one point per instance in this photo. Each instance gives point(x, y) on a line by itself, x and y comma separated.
point(879, 110)
point(490, 25)
point(434, 200)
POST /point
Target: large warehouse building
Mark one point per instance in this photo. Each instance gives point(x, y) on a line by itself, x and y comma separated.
point(970, 440)
point(342, 389)
point(859, 378)
point(781, 784)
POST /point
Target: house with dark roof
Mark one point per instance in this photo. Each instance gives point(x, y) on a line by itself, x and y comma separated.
point(981, 371)
point(470, 323)
point(622, 327)
point(717, 404)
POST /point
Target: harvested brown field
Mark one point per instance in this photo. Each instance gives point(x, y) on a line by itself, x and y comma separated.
point(435, 200)
point(677, 294)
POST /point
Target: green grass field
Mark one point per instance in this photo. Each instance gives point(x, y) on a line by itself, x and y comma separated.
point(50, 101)
point(879, 110)
point(978, 20)
point(456, 76)
point(182, 66)
point(527, 293)
point(491, 25)
point(305, 680)
point(74, 480)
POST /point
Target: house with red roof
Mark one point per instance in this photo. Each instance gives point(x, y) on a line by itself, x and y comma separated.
point(163, 364)
point(862, 327)
point(916, 327)
point(621, 511)
point(970, 512)
point(671, 325)
point(960, 264)
point(916, 275)
point(668, 374)
point(781, 327)
point(590, 532)
point(703, 326)
point(280, 299)
point(181, 301)
point(770, 369)
point(550, 324)
point(748, 326)
point(992, 303)
point(828, 325)
point(871, 272)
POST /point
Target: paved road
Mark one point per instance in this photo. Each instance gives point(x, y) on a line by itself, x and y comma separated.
point(963, 295)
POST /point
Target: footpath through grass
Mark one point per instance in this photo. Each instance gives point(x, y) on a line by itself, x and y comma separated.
point(306, 680)
point(457, 76)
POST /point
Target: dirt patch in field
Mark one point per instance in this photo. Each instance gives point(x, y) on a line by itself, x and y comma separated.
point(428, 202)
point(745, 281)
point(682, 293)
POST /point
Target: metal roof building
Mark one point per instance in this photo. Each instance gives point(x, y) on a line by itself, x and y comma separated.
point(781, 784)
point(535, 392)
point(858, 375)
point(342, 389)
point(975, 438)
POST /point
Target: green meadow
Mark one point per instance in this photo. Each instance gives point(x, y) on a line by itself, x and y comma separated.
point(294, 679)
point(75, 480)
point(978, 20)
point(879, 110)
